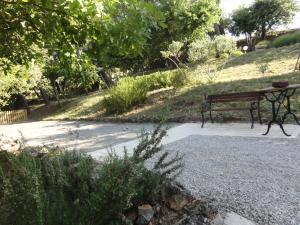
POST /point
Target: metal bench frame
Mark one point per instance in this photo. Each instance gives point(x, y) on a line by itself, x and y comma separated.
point(253, 98)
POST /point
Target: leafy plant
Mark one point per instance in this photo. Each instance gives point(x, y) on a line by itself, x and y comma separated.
point(223, 44)
point(127, 93)
point(173, 52)
point(199, 50)
point(263, 67)
point(71, 188)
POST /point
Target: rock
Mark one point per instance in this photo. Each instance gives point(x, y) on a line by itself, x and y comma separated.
point(145, 214)
point(131, 215)
point(231, 218)
point(8, 144)
point(219, 220)
point(177, 197)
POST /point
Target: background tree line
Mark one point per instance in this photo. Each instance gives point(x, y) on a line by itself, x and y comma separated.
point(79, 45)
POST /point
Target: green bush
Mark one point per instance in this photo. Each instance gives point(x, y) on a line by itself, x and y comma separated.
point(70, 188)
point(178, 78)
point(237, 53)
point(223, 44)
point(53, 189)
point(199, 50)
point(263, 44)
point(157, 80)
point(287, 39)
point(127, 93)
point(224, 56)
point(21, 198)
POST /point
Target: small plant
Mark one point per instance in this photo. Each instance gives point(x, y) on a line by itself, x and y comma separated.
point(263, 68)
point(213, 72)
point(178, 78)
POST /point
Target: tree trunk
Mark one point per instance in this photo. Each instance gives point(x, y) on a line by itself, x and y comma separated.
point(44, 95)
point(217, 29)
point(263, 32)
point(56, 95)
point(24, 102)
point(107, 80)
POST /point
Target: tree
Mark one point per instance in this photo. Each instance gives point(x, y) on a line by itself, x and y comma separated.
point(271, 13)
point(243, 22)
point(184, 20)
point(28, 23)
point(20, 81)
point(121, 33)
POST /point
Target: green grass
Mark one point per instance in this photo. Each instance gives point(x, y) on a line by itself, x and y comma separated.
point(238, 74)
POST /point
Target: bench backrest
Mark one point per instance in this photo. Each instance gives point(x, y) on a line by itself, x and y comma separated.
point(234, 97)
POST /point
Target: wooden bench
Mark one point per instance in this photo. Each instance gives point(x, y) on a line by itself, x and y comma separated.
point(253, 98)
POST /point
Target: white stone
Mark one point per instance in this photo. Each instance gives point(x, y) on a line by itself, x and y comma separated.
point(232, 218)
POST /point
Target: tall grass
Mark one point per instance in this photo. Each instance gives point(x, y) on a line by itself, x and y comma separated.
point(287, 39)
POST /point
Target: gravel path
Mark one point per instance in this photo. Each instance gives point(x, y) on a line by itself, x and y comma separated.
point(258, 178)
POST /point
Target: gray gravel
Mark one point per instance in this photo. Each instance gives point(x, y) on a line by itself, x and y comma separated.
point(258, 178)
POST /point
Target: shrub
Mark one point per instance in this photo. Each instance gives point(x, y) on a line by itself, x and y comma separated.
point(287, 39)
point(178, 78)
point(224, 56)
point(20, 195)
point(131, 91)
point(157, 80)
point(127, 93)
point(263, 44)
point(199, 50)
point(44, 190)
point(70, 188)
point(223, 44)
point(237, 53)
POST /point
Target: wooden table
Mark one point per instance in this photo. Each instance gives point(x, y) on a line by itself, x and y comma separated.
point(280, 97)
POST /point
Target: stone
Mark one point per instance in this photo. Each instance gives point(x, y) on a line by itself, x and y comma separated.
point(231, 218)
point(177, 197)
point(8, 144)
point(218, 220)
point(131, 215)
point(145, 214)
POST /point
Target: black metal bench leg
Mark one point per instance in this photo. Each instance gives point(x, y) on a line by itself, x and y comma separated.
point(252, 118)
point(203, 119)
point(258, 112)
point(210, 116)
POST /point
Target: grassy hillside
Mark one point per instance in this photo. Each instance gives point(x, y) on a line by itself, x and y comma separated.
point(238, 74)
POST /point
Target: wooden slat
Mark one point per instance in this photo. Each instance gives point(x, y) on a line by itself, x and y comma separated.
point(230, 109)
point(234, 97)
point(233, 100)
point(7, 117)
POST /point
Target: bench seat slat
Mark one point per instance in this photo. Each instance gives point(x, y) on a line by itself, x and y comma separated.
point(229, 109)
point(232, 100)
